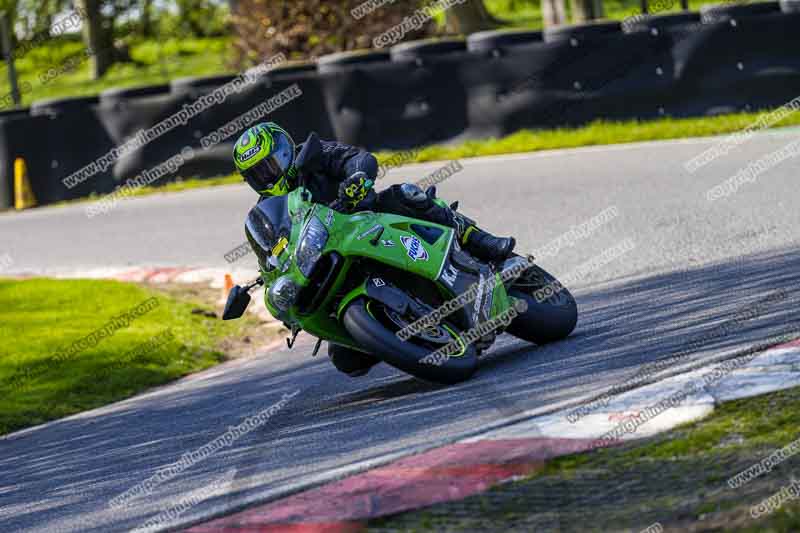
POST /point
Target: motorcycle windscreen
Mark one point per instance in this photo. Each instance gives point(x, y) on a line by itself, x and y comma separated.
point(265, 224)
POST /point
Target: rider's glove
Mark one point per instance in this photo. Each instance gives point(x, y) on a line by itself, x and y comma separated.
point(355, 188)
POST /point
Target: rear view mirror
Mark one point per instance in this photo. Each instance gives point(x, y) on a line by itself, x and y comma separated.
point(238, 299)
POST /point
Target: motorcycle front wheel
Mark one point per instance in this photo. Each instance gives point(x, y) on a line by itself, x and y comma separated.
point(374, 327)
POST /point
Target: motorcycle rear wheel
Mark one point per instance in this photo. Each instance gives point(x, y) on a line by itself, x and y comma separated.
point(552, 311)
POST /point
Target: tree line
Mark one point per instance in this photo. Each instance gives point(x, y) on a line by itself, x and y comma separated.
point(301, 29)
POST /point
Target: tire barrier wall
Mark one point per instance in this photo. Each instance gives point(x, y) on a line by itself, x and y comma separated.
point(726, 58)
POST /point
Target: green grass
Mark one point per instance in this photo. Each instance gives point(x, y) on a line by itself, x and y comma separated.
point(159, 62)
point(678, 478)
point(528, 13)
point(764, 422)
point(597, 133)
point(189, 183)
point(42, 317)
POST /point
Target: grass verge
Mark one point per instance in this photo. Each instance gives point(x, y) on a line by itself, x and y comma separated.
point(597, 133)
point(678, 479)
point(42, 379)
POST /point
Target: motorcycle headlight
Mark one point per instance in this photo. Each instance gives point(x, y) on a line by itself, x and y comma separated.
point(312, 242)
point(283, 294)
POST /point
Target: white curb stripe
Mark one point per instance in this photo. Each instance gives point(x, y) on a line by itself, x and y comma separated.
point(775, 369)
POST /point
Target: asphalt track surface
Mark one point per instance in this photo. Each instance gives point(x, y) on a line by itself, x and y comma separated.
point(695, 265)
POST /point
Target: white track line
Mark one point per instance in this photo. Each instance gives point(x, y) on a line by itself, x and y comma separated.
point(775, 369)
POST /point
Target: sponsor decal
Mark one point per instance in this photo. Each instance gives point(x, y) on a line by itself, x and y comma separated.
point(416, 251)
point(387, 242)
point(370, 231)
point(477, 307)
point(250, 153)
point(449, 275)
point(378, 282)
point(487, 302)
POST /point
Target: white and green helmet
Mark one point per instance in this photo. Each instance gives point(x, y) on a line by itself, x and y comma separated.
point(264, 155)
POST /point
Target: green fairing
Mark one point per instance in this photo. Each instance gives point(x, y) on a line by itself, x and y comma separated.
point(350, 236)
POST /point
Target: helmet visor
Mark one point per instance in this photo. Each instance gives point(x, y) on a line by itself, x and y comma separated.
point(266, 175)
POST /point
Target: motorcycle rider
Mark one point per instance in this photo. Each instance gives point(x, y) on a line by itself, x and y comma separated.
point(343, 175)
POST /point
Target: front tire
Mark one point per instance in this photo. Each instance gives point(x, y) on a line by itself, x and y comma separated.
point(552, 311)
point(379, 338)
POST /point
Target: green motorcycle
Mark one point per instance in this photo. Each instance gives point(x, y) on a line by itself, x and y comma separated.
point(397, 288)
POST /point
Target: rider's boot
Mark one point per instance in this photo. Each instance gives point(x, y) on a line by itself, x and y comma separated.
point(482, 244)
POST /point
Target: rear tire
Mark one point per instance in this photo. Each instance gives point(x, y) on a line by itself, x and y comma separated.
point(376, 338)
point(552, 311)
